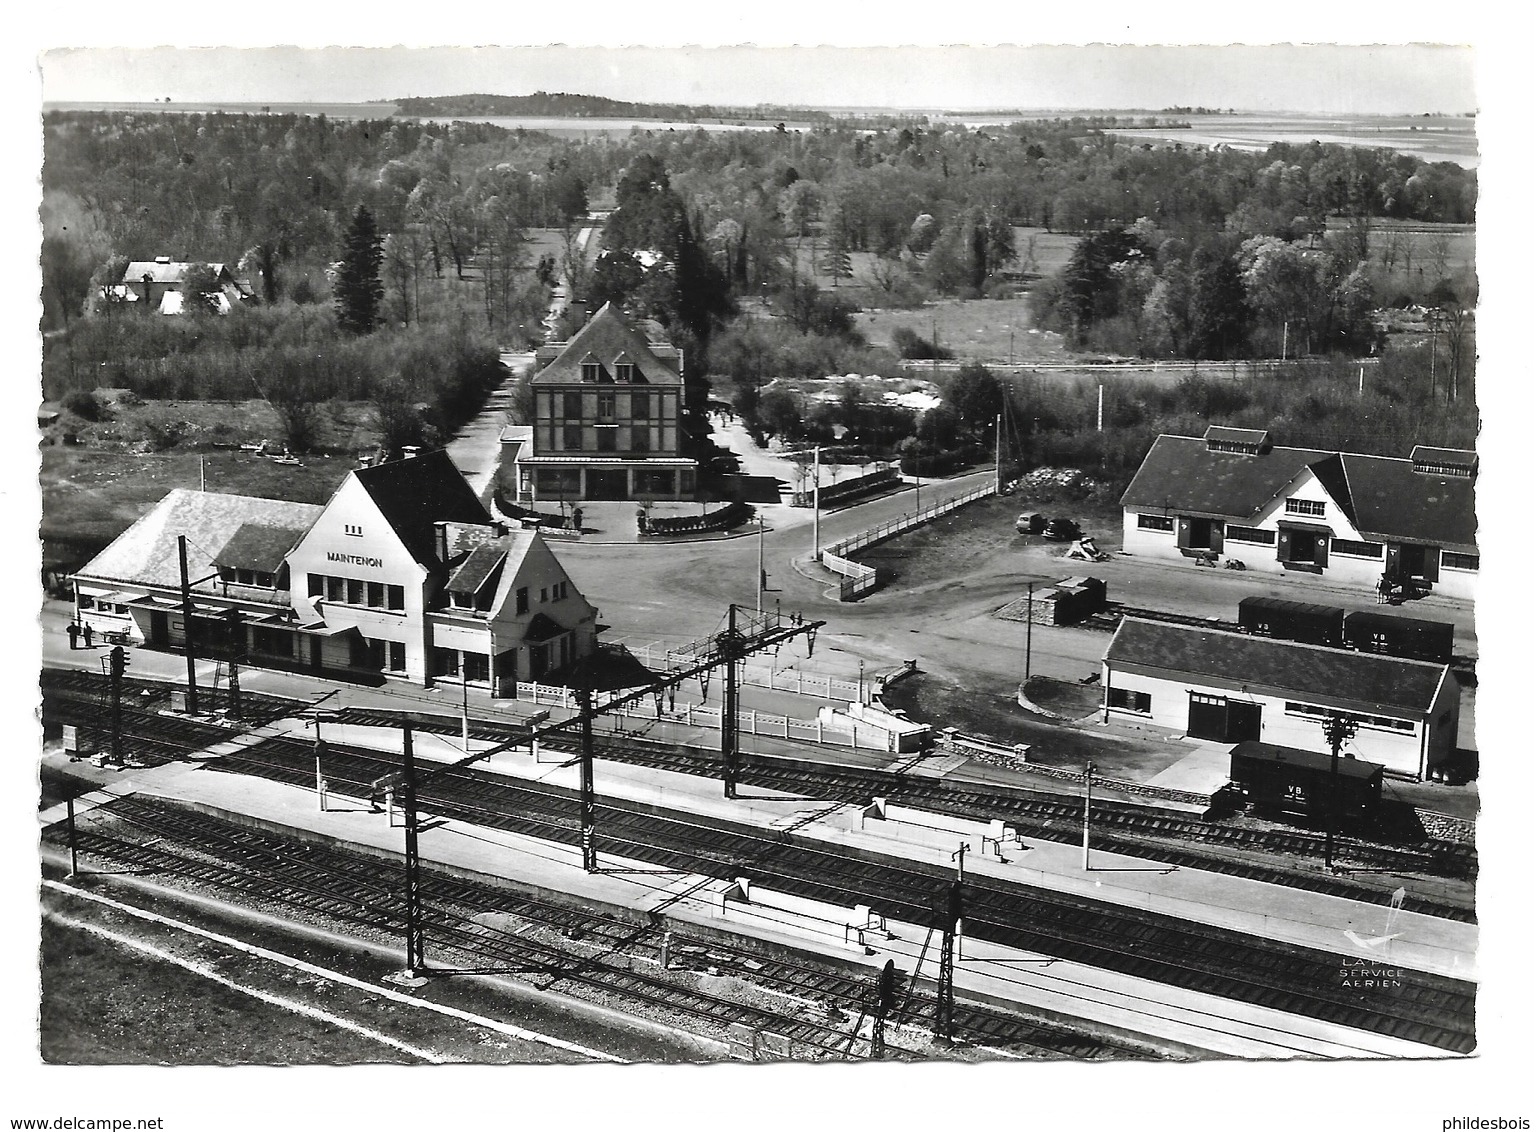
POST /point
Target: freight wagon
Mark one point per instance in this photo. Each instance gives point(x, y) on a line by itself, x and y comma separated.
point(1399, 636)
point(1385, 633)
point(1288, 780)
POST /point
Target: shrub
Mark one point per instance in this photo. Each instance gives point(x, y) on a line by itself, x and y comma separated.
point(84, 405)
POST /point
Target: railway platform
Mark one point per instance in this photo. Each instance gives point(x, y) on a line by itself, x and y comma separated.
point(1199, 1023)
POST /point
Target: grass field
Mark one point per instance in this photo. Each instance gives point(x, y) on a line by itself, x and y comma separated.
point(91, 496)
point(997, 330)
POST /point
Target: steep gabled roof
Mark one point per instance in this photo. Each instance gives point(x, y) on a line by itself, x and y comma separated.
point(415, 493)
point(1180, 473)
point(1393, 502)
point(1383, 497)
point(146, 553)
point(1314, 672)
point(607, 335)
point(479, 565)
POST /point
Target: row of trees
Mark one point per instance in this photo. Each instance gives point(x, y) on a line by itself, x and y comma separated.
point(1143, 291)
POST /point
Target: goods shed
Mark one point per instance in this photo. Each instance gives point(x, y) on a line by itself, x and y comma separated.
point(1231, 687)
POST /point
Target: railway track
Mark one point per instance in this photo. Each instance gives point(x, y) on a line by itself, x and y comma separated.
point(468, 927)
point(1424, 1008)
point(74, 697)
point(1132, 830)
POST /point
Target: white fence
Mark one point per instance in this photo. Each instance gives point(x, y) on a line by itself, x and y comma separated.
point(860, 580)
point(762, 675)
point(656, 710)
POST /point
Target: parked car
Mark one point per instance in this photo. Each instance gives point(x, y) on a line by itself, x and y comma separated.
point(1061, 530)
point(1029, 523)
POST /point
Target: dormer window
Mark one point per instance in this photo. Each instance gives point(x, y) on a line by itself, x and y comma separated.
point(625, 373)
point(1454, 463)
point(1244, 441)
point(592, 371)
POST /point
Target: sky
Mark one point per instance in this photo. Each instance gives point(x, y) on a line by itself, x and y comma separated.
point(1339, 79)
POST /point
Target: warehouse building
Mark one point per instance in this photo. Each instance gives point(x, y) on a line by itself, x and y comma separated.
point(1232, 687)
point(609, 418)
point(402, 573)
point(1344, 516)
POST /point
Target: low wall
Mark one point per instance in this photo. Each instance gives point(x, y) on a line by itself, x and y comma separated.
point(861, 579)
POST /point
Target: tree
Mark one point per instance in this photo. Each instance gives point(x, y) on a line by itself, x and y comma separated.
point(974, 395)
point(357, 285)
point(780, 413)
point(200, 290)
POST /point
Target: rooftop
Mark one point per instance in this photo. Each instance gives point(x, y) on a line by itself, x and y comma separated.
point(606, 339)
point(146, 553)
point(1364, 680)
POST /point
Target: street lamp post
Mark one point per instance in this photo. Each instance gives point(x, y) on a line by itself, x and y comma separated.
point(1026, 674)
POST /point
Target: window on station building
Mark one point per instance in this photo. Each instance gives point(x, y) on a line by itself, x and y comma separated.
point(355, 591)
point(1315, 507)
point(572, 438)
point(353, 529)
point(625, 372)
point(521, 600)
point(606, 406)
point(592, 371)
point(444, 662)
point(1126, 700)
point(477, 666)
point(640, 438)
point(1455, 561)
point(606, 440)
point(1156, 523)
point(1250, 534)
point(641, 405)
point(1357, 549)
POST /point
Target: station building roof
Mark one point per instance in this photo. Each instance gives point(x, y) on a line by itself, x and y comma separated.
point(415, 493)
point(146, 553)
point(1385, 498)
point(1317, 673)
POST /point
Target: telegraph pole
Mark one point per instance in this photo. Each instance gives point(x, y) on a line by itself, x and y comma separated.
point(730, 706)
point(1085, 863)
point(817, 474)
point(187, 627)
point(759, 590)
point(414, 935)
point(951, 913)
point(1026, 675)
point(589, 807)
point(1339, 729)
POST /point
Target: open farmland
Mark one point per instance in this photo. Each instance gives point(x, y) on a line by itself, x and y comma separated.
point(984, 329)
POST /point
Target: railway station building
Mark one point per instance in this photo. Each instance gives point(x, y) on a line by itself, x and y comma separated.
point(401, 574)
point(1348, 517)
point(1232, 687)
point(608, 420)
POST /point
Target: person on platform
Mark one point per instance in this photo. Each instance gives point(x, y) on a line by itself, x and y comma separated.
point(74, 631)
point(88, 634)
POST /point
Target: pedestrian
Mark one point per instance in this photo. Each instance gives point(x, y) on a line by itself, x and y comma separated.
point(74, 631)
point(88, 634)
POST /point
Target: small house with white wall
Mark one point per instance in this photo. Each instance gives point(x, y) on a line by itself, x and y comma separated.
point(1231, 687)
point(1344, 516)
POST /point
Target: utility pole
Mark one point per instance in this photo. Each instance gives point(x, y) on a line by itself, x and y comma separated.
point(1285, 356)
point(414, 934)
point(1026, 675)
point(1085, 861)
point(730, 706)
point(999, 421)
point(759, 591)
point(951, 915)
point(1339, 729)
point(817, 475)
point(187, 627)
point(588, 806)
point(69, 829)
